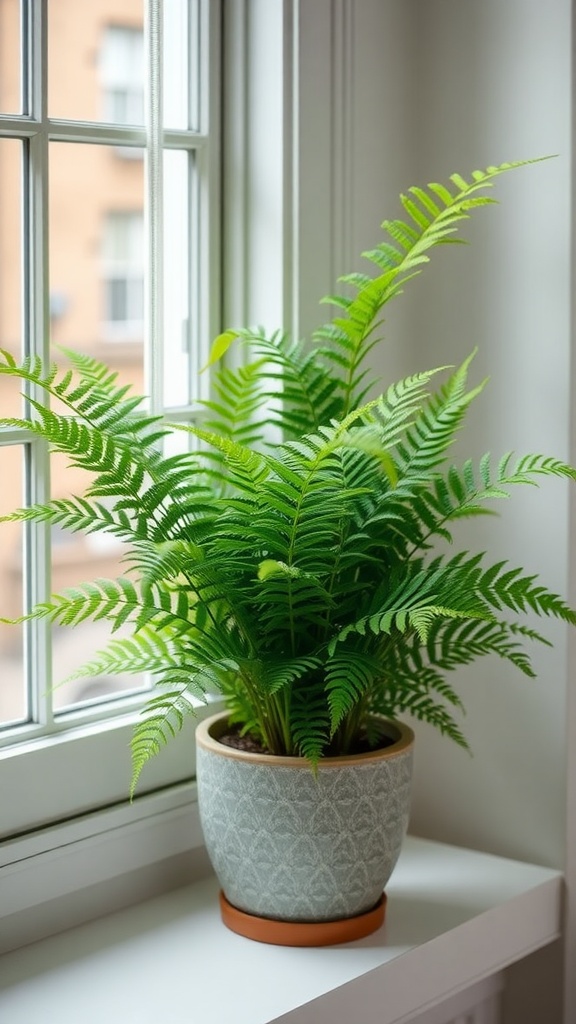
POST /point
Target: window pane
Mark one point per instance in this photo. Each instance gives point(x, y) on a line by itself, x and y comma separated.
point(96, 61)
point(10, 265)
point(96, 276)
point(180, 95)
point(76, 559)
point(97, 255)
point(122, 75)
point(10, 59)
point(177, 324)
point(13, 698)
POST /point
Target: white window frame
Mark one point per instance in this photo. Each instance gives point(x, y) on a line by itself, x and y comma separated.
point(59, 768)
point(262, 180)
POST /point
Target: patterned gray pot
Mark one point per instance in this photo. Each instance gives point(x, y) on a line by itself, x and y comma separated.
point(294, 846)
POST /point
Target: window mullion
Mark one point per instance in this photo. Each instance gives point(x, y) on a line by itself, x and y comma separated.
point(204, 204)
point(17, 127)
point(102, 134)
point(153, 215)
point(36, 321)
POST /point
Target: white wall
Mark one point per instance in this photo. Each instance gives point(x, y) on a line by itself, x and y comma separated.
point(498, 87)
point(421, 90)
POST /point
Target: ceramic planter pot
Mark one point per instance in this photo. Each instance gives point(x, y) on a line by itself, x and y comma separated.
point(294, 846)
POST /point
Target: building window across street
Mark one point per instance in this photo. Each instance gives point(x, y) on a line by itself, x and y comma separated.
point(123, 270)
point(122, 75)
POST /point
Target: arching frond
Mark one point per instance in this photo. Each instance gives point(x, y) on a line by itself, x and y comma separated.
point(434, 214)
point(349, 675)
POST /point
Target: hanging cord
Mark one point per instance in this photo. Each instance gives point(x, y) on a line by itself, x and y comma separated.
point(154, 278)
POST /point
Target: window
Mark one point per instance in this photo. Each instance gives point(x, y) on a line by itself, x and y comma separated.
point(123, 238)
point(78, 270)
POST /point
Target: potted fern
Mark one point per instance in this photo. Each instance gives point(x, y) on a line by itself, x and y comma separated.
point(299, 580)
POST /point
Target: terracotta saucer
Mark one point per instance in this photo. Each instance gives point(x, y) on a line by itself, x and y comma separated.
point(301, 933)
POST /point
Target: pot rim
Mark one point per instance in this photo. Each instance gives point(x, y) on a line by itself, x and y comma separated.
point(210, 743)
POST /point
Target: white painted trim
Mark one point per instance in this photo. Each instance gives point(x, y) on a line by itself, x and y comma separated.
point(343, 139)
point(234, 171)
point(103, 134)
point(154, 206)
point(205, 201)
point(468, 1007)
point(15, 854)
point(570, 854)
point(312, 162)
point(324, 161)
point(454, 918)
point(50, 865)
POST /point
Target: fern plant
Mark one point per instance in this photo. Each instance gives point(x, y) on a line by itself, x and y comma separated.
point(299, 579)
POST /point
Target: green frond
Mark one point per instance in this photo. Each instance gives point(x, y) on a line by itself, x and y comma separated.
point(310, 722)
point(80, 515)
point(163, 719)
point(406, 672)
point(462, 492)
point(534, 465)
point(450, 645)
point(115, 600)
point(291, 605)
point(395, 409)
point(510, 588)
point(90, 368)
point(149, 651)
point(425, 709)
point(296, 392)
point(348, 676)
point(122, 457)
point(32, 370)
point(426, 442)
point(435, 214)
point(280, 673)
point(167, 561)
point(413, 598)
point(91, 395)
point(245, 466)
point(422, 618)
point(239, 395)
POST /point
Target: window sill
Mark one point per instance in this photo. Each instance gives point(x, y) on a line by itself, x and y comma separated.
point(454, 917)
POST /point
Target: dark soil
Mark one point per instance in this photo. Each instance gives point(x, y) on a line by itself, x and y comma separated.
point(247, 743)
point(253, 746)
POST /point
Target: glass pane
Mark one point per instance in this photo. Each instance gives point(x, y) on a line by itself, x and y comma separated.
point(10, 266)
point(180, 93)
point(10, 57)
point(96, 60)
point(77, 558)
point(176, 279)
point(97, 258)
point(96, 284)
point(13, 700)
